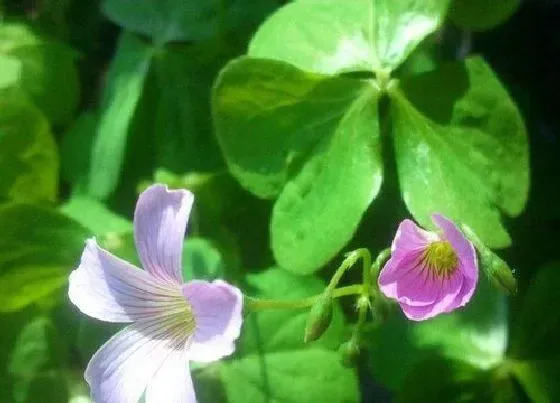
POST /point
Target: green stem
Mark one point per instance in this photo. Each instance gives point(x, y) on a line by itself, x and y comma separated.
point(255, 304)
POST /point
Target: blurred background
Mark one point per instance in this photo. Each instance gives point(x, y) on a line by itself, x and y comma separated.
point(69, 72)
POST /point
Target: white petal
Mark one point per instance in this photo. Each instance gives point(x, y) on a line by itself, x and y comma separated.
point(110, 289)
point(217, 308)
point(121, 369)
point(160, 221)
point(172, 382)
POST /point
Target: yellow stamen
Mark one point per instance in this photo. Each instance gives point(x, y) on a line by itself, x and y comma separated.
point(440, 258)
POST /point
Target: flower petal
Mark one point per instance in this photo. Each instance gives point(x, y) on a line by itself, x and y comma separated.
point(463, 247)
point(217, 309)
point(121, 369)
point(410, 238)
point(160, 221)
point(110, 289)
point(172, 383)
point(449, 288)
point(402, 279)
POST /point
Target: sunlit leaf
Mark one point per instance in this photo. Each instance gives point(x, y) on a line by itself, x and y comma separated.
point(310, 140)
point(122, 92)
point(461, 148)
point(362, 35)
point(47, 70)
point(28, 155)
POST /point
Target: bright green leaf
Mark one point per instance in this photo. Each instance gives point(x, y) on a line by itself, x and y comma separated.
point(95, 216)
point(47, 70)
point(184, 20)
point(461, 148)
point(28, 155)
point(481, 15)
point(124, 86)
point(27, 284)
point(10, 71)
point(273, 363)
point(310, 139)
point(475, 334)
point(362, 35)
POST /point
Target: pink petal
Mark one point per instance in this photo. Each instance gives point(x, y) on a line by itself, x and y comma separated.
point(172, 383)
point(110, 289)
point(410, 238)
point(121, 369)
point(403, 280)
point(217, 308)
point(449, 288)
point(466, 254)
point(160, 221)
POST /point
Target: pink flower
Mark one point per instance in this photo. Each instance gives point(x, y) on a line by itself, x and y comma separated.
point(172, 322)
point(430, 273)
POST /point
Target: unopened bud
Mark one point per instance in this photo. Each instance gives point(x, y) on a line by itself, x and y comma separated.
point(495, 267)
point(349, 352)
point(501, 275)
point(319, 318)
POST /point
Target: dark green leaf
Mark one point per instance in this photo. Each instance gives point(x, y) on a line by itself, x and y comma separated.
point(440, 380)
point(28, 155)
point(363, 35)
point(480, 15)
point(312, 141)
point(125, 81)
point(539, 378)
point(75, 150)
point(47, 70)
point(461, 148)
point(184, 20)
point(537, 330)
point(201, 260)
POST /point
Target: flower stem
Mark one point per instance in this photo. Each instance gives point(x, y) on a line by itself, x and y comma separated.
point(256, 304)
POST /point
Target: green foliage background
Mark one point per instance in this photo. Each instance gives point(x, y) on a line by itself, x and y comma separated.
point(305, 129)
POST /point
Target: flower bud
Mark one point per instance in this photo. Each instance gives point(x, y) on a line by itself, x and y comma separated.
point(500, 274)
point(496, 268)
point(349, 352)
point(319, 318)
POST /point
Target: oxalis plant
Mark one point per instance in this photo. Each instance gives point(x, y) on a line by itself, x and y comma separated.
point(304, 119)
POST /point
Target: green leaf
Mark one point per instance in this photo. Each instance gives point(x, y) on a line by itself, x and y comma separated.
point(38, 248)
point(34, 363)
point(537, 330)
point(47, 70)
point(178, 20)
point(125, 81)
point(75, 150)
point(363, 35)
point(311, 140)
point(461, 148)
point(539, 378)
point(475, 335)
point(95, 216)
point(10, 71)
point(273, 363)
point(183, 124)
point(481, 15)
point(28, 155)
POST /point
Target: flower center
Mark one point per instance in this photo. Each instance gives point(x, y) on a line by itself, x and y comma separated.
point(440, 258)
